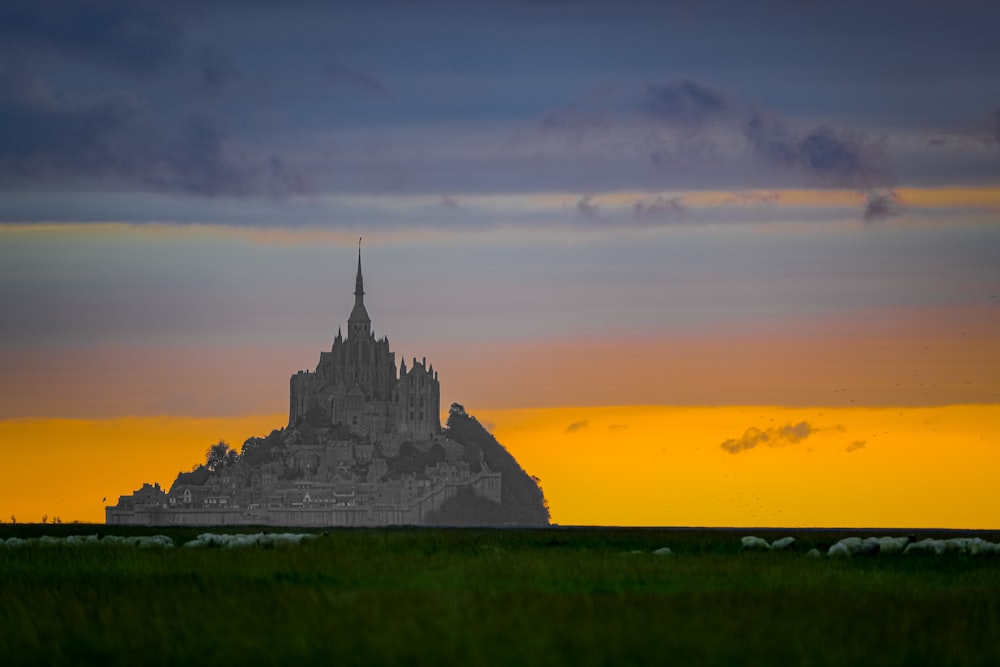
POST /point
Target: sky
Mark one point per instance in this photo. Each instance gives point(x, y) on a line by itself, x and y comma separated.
point(680, 224)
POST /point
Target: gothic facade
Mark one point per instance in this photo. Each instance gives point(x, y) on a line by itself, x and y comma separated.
point(356, 384)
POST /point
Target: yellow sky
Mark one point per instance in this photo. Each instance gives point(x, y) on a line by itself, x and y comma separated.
point(859, 467)
point(628, 465)
point(65, 467)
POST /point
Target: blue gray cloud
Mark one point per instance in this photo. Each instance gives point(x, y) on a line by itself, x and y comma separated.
point(686, 101)
point(882, 205)
point(659, 208)
point(252, 101)
point(113, 138)
point(128, 34)
point(778, 436)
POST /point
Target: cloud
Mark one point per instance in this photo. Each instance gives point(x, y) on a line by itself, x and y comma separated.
point(687, 102)
point(842, 158)
point(996, 125)
point(838, 157)
point(688, 123)
point(112, 136)
point(587, 207)
point(856, 445)
point(449, 203)
point(752, 198)
point(126, 34)
point(658, 208)
point(780, 436)
point(880, 206)
point(577, 426)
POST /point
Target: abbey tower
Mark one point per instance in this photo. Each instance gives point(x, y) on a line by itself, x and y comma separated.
point(356, 385)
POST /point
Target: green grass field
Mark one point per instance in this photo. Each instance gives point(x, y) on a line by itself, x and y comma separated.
point(485, 597)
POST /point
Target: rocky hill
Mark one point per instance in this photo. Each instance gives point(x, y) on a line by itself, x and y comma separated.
point(311, 456)
point(523, 502)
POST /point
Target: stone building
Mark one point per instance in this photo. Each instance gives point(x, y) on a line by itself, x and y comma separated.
point(356, 385)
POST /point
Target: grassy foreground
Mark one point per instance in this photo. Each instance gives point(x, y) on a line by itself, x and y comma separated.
point(484, 597)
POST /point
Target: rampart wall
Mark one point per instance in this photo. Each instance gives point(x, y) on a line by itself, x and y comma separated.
point(413, 513)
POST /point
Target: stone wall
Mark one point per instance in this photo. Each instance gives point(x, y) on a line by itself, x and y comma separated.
point(412, 514)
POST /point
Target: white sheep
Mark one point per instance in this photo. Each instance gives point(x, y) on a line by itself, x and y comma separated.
point(239, 541)
point(839, 550)
point(153, 542)
point(663, 551)
point(782, 544)
point(892, 545)
point(845, 547)
point(980, 547)
point(751, 543)
point(928, 545)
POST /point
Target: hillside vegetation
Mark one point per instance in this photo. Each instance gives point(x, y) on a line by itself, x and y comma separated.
point(523, 502)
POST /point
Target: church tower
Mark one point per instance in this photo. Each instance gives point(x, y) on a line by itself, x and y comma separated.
point(356, 384)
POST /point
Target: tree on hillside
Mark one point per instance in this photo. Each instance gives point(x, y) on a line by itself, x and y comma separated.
point(455, 412)
point(219, 456)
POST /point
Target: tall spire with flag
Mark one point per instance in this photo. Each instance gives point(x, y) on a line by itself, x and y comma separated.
point(359, 323)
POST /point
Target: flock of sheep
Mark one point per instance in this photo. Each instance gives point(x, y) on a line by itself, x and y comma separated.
point(869, 546)
point(163, 542)
point(845, 548)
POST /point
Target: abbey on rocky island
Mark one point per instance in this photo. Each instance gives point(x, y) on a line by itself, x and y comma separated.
point(363, 447)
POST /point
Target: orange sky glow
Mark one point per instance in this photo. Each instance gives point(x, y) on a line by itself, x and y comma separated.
point(624, 465)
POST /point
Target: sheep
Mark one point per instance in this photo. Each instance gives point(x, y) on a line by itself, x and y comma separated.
point(153, 542)
point(290, 538)
point(239, 541)
point(928, 545)
point(870, 546)
point(839, 550)
point(663, 551)
point(813, 553)
point(980, 547)
point(782, 544)
point(143, 542)
point(845, 547)
point(751, 543)
point(206, 540)
point(892, 545)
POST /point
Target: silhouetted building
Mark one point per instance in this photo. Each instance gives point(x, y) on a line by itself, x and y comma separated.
point(356, 384)
point(341, 461)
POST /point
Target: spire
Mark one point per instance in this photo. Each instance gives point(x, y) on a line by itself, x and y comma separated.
point(359, 282)
point(359, 324)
